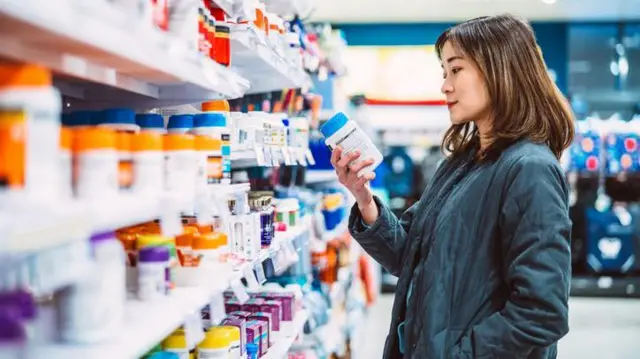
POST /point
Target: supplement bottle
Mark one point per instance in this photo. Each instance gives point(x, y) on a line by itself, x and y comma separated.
point(151, 122)
point(177, 343)
point(153, 271)
point(92, 310)
point(148, 163)
point(236, 350)
point(216, 344)
point(180, 169)
point(95, 163)
point(123, 121)
point(216, 123)
point(180, 124)
point(339, 131)
point(29, 126)
point(152, 240)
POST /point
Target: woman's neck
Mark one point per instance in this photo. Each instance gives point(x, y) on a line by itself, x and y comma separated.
point(484, 130)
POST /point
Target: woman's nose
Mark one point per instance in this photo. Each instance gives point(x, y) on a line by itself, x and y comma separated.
point(446, 87)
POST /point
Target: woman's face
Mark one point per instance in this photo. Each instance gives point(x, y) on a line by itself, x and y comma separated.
point(465, 89)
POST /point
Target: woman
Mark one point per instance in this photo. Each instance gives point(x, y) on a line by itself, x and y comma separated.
point(483, 258)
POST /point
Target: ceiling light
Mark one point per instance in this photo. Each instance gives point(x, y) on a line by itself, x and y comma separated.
point(549, 1)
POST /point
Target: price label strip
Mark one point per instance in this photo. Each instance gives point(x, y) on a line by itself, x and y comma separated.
point(260, 276)
point(239, 291)
point(268, 160)
point(287, 156)
point(260, 157)
point(309, 157)
point(250, 277)
point(274, 156)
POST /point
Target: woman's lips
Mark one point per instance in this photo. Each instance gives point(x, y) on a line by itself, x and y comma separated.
point(451, 104)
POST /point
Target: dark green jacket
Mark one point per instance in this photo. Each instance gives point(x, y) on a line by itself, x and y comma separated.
point(487, 250)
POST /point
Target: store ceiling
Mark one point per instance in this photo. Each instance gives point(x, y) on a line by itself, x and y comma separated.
point(377, 11)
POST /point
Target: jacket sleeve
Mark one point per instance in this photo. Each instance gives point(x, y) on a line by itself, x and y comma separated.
point(385, 240)
point(535, 232)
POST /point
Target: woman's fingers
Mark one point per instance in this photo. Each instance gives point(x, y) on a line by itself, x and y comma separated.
point(356, 167)
point(335, 156)
point(347, 159)
point(364, 179)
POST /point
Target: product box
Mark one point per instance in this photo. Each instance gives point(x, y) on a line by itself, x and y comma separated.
point(253, 334)
point(240, 314)
point(265, 318)
point(253, 305)
point(242, 325)
point(264, 337)
point(288, 303)
point(274, 308)
point(232, 305)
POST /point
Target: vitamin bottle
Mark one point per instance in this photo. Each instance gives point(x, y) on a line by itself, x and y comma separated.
point(216, 344)
point(180, 168)
point(148, 163)
point(339, 131)
point(123, 121)
point(95, 163)
point(153, 273)
point(180, 124)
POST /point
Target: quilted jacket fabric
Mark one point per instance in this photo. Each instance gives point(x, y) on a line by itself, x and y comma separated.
point(487, 249)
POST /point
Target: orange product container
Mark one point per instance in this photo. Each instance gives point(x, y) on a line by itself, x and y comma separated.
point(207, 247)
point(209, 160)
point(184, 246)
point(95, 162)
point(215, 106)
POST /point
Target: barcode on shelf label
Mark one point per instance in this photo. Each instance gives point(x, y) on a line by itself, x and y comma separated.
point(274, 156)
point(250, 277)
point(287, 156)
point(239, 291)
point(260, 158)
point(262, 278)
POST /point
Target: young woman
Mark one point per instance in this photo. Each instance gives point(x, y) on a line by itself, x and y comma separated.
point(483, 258)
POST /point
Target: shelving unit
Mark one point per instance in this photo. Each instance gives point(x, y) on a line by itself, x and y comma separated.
point(280, 349)
point(320, 176)
point(93, 42)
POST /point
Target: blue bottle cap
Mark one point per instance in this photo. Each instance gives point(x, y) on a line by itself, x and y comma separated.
point(209, 120)
point(285, 122)
point(334, 124)
point(180, 121)
point(117, 116)
point(163, 355)
point(252, 350)
point(150, 120)
point(80, 118)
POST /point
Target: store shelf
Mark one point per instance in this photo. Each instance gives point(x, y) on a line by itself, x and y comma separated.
point(320, 176)
point(96, 49)
point(280, 349)
point(289, 7)
point(256, 60)
point(249, 158)
point(604, 286)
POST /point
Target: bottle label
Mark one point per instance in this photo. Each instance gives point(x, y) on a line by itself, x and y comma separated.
point(214, 169)
point(125, 174)
point(13, 132)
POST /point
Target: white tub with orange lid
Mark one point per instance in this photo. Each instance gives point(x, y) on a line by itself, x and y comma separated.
point(95, 163)
point(148, 163)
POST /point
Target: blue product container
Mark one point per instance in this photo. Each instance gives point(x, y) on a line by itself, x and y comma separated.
point(622, 153)
point(80, 119)
point(585, 153)
point(610, 244)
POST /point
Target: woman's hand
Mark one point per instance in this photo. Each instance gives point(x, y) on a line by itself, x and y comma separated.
point(347, 170)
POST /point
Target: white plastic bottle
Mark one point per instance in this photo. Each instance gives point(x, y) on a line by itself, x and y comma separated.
point(339, 131)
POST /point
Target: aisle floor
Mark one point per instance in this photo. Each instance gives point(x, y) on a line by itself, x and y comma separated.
point(599, 329)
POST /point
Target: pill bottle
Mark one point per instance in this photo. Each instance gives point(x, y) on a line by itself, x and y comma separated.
point(213, 124)
point(123, 121)
point(92, 310)
point(66, 163)
point(216, 344)
point(177, 343)
point(207, 248)
point(180, 124)
point(95, 163)
point(148, 163)
point(180, 168)
point(184, 246)
point(339, 131)
point(153, 271)
point(151, 122)
point(29, 126)
point(236, 348)
point(153, 240)
point(205, 148)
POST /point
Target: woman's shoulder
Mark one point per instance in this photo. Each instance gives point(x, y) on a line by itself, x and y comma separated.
point(530, 160)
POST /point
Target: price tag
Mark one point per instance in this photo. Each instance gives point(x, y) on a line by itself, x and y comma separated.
point(250, 277)
point(216, 309)
point(193, 329)
point(239, 291)
point(309, 157)
point(262, 278)
point(260, 158)
point(301, 157)
point(287, 156)
point(274, 156)
point(291, 253)
point(279, 262)
point(268, 160)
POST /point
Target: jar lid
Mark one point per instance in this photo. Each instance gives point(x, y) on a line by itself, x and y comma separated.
point(334, 124)
point(150, 121)
point(209, 120)
point(93, 139)
point(234, 332)
point(80, 118)
point(206, 241)
point(120, 118)
point(216, 338)
point(178, 141)
point(177, 340)
point(146, 141)
point(24, 75)
point(215, 105)
point(180, 121)
point(154, 254)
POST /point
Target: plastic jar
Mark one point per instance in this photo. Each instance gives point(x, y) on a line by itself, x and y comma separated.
point(153, 273)
point(152, 122)
point(177, 343)
point(92, 310)
point(223, 45)
point(216, 344)
point(65, 161)
point(95, 163)
point(148, 163)
point(207, 247)
point(214, 123)
point(123, 121)
point(236, 351)
point(29, 125)
point(153, 240)
point(339, 131)
point(180, 168)
point(180, 124)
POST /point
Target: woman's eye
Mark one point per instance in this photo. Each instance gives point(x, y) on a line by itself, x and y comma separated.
point(455, 70)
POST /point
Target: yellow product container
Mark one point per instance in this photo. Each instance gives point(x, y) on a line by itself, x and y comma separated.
point(176, 343)
point(235, 347)
point(216, 344)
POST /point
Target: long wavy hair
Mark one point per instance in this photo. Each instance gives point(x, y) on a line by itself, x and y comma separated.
point(526, 103)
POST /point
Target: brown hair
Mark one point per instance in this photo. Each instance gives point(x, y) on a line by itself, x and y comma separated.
point(526, 104)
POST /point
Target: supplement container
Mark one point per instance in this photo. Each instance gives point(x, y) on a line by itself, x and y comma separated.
point(66, 163)
point(95, 163)
point(339, 131)
point(153, 273)
point(265, 319)
point(214, 124)
point(180, 124)
point(237, 332)
point(206, 247)
point(151, 122)
point(253, 334)
point(124, 122)
point(177, 343)
point(184, 246)
point(216, 344)
point(148, 163)
point(29, 126)
point(180, 169)
point(92, 310)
